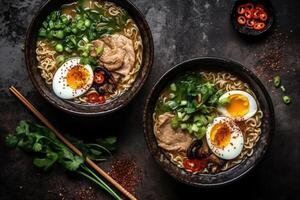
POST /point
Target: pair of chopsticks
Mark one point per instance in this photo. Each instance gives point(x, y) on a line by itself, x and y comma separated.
point(41, 117)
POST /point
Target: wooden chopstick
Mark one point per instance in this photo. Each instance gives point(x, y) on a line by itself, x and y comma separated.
point(68, 143)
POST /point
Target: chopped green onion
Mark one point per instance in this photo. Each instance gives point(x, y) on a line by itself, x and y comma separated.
point(180, 115)
point(57, 25)
point(64, 19)
point(51, 24)
point(68, 49)
point(210, 119)
point(67, 29)
point(85, 39)
point(59, 48)
point(59, 34)
point(172, 104)
point(84, 54)
point(223, 101)
point(84, 60)
point(282, 88)
point(185, 118)
point(201, 132)
point(74, 30)
point(195, 128)
point(78, 17)
point(183, 102)
point(286, 99)
point(201, 119)
point(173, 87)
point(60, 59)
point(87, 23)
point(45, 24)
point(183, 126)
point(172, 95)
point(42, 32)
point(80, 25)
point(277, 81)
point(174, 123)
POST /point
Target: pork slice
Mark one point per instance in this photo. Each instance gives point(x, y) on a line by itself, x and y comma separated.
point(118, 54)
point(170, 139)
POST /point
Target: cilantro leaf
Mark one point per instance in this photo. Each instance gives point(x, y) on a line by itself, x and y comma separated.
point(47, 161)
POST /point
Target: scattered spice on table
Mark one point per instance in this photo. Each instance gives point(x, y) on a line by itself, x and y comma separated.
point(126, 173)
point(270, 57)
point(85, 193)
point(271, 62)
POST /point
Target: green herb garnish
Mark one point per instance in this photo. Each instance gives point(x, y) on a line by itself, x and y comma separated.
point(286, 99)
point(49, 150)
point(277, 81)
point(193, 101)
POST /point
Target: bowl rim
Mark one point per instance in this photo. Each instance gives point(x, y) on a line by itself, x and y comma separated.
point(266, 147)
point(86, 113)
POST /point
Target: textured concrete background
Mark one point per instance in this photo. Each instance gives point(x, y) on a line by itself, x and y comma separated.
point(181, 30)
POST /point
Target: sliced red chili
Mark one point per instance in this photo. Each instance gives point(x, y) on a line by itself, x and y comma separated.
point(250, 22)
point(248, 14)
point(241, 9)
point(241, 20)
point(95, 98)
point(259, 26)
point(194, 165)
point(99, 77)
point(101, 99)
point(92, 98)
point(256, 14)
point(263, 16)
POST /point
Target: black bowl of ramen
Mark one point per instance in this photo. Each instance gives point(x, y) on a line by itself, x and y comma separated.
point(191, 136)
point(88, 57)
point(252, 17)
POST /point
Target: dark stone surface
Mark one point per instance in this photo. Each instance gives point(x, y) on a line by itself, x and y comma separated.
point(181, 30)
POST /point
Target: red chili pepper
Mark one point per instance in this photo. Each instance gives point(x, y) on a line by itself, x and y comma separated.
point(241, 9)
point(194, 165)
point(92, 98)
point(99, 77)
point(95, 98)
point(256, 13)
point(263, 16)
point(101, 99)
point(259, 26)
point(241, 20)
point(248, 14)
point(250, 23)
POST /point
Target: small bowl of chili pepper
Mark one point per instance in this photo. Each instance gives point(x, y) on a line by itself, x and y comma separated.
point(252, 18)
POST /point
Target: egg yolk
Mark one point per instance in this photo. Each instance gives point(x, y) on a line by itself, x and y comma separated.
point(77, 77)
point(238, 105)
point(220, 135)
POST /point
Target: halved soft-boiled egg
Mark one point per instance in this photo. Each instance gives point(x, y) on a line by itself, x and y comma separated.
point(239, 105)
point(224, 138)
point(72, 79)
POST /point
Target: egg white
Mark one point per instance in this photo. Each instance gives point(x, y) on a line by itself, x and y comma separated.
point(251, 100)
point(59, 83)
point(236, 144)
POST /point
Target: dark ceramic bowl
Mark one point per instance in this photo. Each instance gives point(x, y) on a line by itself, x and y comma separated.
point(244, 30)
point(87, 110)
point(210, 64)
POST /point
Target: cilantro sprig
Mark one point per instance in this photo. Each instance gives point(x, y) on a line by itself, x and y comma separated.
point(49, 150)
